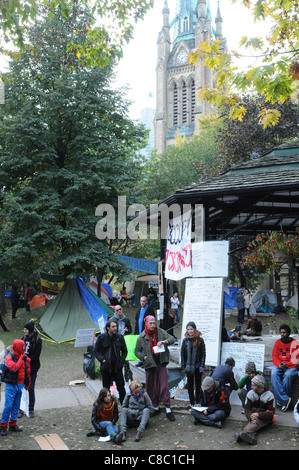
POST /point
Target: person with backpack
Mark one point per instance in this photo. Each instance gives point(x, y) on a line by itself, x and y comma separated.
point(17, 376)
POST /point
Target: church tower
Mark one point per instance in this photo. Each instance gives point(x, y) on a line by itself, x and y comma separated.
point(177, 106)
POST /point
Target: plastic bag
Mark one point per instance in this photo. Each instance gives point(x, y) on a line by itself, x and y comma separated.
point(89, 363)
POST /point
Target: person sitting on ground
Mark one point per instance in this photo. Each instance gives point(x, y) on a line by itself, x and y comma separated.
point(285, 358)
point(215, 398)
point(244, 383)
point(136, 410)
point(104, 417)
point(253, 327)
point(259, 410)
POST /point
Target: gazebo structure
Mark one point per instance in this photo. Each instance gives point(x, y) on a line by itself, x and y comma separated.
point(259, 195)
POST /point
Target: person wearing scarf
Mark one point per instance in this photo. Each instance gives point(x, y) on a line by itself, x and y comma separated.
point(193, 357)
point(155, 363)
point(136, 410)
point(104, 417)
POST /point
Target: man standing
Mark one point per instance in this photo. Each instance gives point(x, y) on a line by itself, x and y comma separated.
point(151, 348)
point(240, 306)
point(33, 350)
point(28, 297)
point(259, 410)
point(111, 351)
point(123, 328)
point(143, 311)
point(285, 358)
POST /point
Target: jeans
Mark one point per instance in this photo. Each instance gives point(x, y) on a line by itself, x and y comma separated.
point(282, 380)
point(13, 394)
point(109, 427)
point(218, 415)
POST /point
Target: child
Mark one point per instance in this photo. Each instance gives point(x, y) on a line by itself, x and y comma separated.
point(104, 416)
point(17, 377)
point(136, 410)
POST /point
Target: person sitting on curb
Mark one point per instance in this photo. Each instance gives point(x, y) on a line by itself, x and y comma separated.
point(104, 417)
point(259, 410)
point(214, 397)
point(136, 410)
point(244, 384)
point(285, 358)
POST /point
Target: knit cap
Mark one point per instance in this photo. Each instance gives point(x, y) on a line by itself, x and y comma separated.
point(250, 367)
point(29, 326)
point(207, 383)
point(259, 381)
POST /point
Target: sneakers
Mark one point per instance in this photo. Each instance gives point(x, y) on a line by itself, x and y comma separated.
point(285, 407)
point(138, 436)
point(3, 432)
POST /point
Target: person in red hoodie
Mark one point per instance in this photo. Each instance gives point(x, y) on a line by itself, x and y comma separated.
point(17, 376)
point(285, 358)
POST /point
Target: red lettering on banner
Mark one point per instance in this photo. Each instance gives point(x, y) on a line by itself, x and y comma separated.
point(176, 261)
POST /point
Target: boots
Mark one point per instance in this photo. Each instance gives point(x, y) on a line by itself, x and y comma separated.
point(117, 438)
point(138, 436)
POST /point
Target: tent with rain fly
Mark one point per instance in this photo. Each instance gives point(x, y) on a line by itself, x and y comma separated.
point(75, 307)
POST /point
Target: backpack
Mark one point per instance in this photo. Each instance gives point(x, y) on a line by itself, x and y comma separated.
point(3, 370)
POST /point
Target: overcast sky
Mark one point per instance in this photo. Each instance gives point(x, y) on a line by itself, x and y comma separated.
point(137, 68)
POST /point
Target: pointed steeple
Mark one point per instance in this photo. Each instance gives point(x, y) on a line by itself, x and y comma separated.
point(165, 13)
point(218, 21)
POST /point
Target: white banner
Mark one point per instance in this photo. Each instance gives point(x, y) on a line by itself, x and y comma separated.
point(178, 249)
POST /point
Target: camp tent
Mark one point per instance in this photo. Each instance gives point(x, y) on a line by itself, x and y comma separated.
point(75, 307)
point(106, 289)
point(39, 299)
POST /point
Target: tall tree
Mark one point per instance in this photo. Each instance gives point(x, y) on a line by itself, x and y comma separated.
point(66, 146)
point(105, 37)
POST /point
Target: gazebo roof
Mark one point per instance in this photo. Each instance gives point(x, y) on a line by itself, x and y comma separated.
point(257, 195)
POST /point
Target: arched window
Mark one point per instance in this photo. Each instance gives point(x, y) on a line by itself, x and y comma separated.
point(193, 100)
point(184, 103)
point(175, 105)
point(185, 24)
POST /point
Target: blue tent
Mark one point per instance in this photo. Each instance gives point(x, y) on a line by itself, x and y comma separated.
point(75, 307)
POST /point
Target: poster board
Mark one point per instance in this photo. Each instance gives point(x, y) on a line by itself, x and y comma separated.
point(85, 337)
point(242, 354)
point(203, 305)
point(210, 259)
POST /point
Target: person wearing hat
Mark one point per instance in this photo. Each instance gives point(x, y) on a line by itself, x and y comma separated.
point(215, 399)
point(193, 358)
point(244, 384)
point(259, 410)
point(33, 350)
point(224, 374)
point(152, 348)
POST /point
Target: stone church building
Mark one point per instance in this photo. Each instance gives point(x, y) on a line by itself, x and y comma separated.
point(177, 106)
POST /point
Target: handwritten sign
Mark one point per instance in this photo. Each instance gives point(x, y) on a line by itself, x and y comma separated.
point(178, 249)
point(210, 259)
point(85, 337)
point(203, 305)
point(242, 354)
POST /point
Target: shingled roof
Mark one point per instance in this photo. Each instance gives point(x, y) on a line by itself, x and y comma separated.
point(258, 195)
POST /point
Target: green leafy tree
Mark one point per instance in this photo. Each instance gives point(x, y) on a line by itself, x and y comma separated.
point(66, 146)
point(110, 27)
point(276, 72)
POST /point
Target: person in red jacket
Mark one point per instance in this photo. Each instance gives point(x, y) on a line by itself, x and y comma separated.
point(285, 358)
point(17, 376)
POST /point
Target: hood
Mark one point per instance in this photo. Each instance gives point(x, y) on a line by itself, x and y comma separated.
point(18, 347)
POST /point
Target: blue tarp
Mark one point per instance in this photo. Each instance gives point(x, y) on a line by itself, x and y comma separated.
point(92, 305)
point(230, 300)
